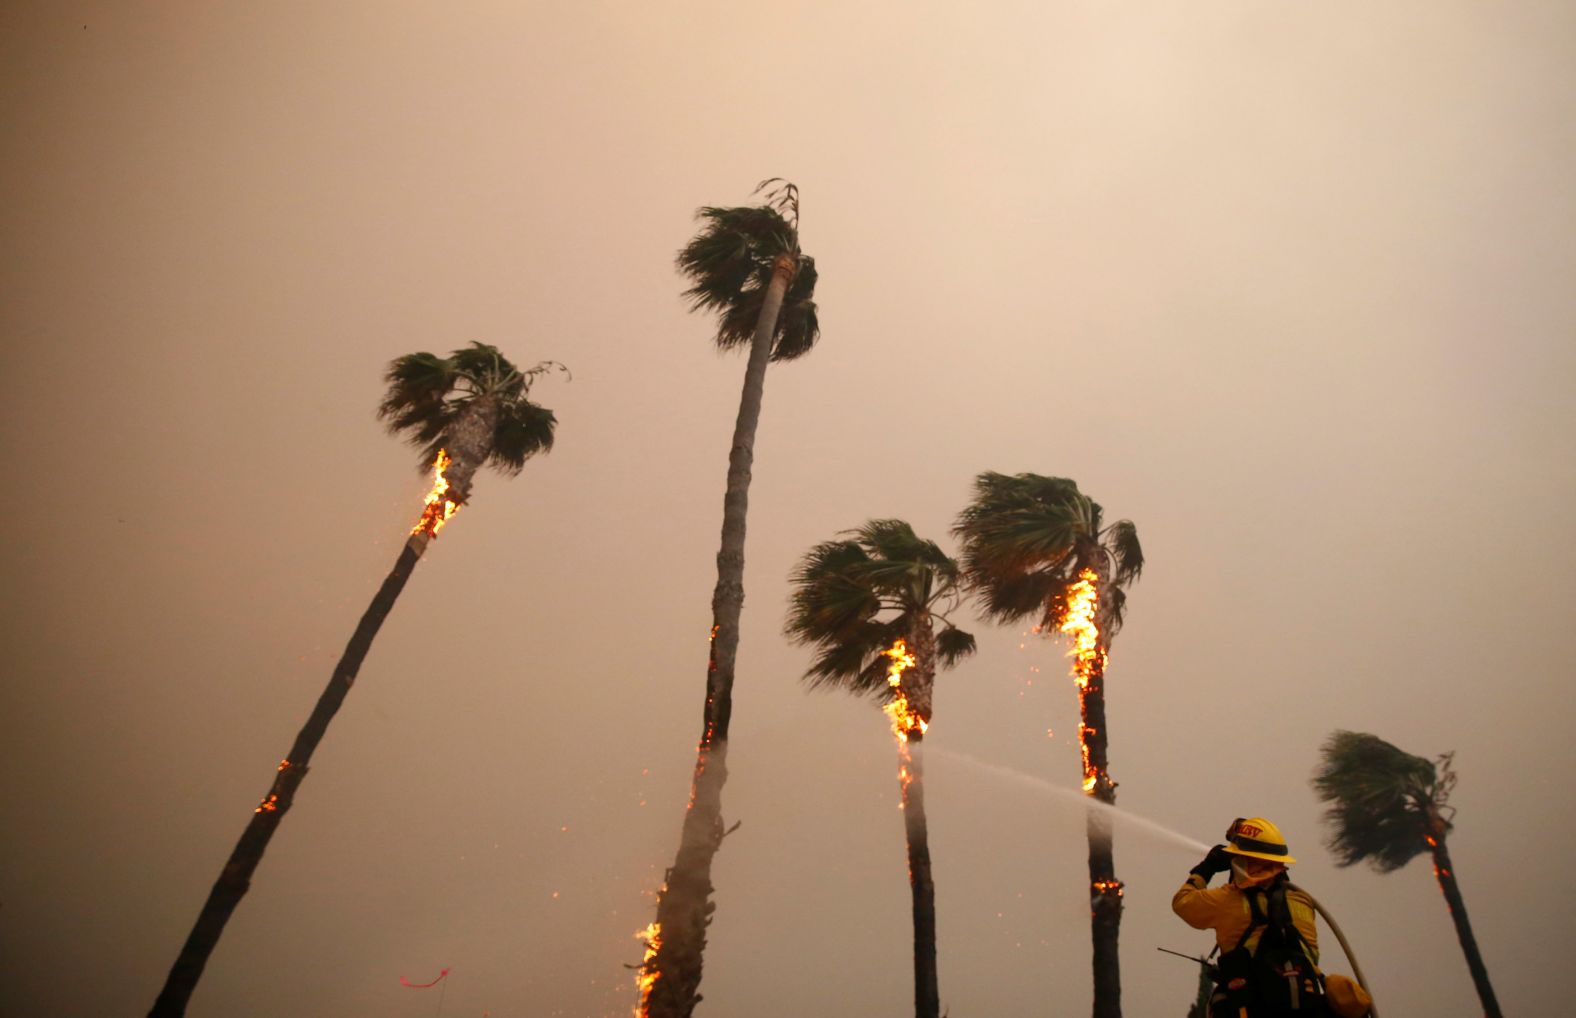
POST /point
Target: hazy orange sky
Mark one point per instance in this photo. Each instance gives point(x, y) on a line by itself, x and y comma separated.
point(1287, 284)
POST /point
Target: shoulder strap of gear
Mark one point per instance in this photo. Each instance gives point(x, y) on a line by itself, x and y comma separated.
point(1258, 918)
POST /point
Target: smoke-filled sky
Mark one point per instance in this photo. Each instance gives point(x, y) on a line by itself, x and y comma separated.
point(1287, 284)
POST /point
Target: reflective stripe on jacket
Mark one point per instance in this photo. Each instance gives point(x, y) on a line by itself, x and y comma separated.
point(1226, 910)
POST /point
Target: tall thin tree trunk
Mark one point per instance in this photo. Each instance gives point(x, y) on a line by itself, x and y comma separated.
point(684, 904)
point(1105, 891)
point(918, 686)
point(927, 997)
point(1446, 875)
point(236, 876)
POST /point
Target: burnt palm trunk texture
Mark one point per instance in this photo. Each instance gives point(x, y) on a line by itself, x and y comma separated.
point(1446, 874)
point(919, 686)
point(236, 877)
point(927, 997)
point(1105, 891)
point(684, 904)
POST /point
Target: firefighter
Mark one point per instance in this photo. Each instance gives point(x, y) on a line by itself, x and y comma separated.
point(1264, 929)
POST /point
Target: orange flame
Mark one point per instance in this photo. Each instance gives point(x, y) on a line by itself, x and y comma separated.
point(646, 974)
point(438, 508)
point(904, 721)
point(1079, 623)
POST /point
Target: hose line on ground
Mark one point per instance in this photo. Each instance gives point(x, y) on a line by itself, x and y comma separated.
point(1335, 927)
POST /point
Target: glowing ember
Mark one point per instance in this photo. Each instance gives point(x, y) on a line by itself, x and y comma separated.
point(1104, 887)
point(1079, 623)
point(646, 975)
point(904, 721)
point(268, 805)
point(438, 508)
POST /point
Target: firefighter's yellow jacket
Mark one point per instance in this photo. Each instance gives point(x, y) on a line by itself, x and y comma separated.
point(1226, 910)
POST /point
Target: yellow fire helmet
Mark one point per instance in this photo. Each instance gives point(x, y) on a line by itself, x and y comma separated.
point(1257, 838)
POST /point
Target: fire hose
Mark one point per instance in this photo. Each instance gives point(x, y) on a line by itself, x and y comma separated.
point(1335, 928)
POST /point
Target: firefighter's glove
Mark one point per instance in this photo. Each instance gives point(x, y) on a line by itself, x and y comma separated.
point(1217, 861)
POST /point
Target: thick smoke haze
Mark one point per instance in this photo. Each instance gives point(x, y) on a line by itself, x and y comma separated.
point(1287, 284)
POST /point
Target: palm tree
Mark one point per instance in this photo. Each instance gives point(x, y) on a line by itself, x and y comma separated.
point(869, 603)
point(464, 411)
point(1387, 806)
point(744, 264)
point(1036, 546)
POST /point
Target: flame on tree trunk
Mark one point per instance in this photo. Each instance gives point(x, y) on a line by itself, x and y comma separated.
point(1087, 622)
point(669, 978)
point(449, 492)
point(1445, 873)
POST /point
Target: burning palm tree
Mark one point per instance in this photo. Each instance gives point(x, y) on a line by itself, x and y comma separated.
point(1037, 546)
point(464, 411)
point(870, 603)
point(1387, 806)
point(744, 264)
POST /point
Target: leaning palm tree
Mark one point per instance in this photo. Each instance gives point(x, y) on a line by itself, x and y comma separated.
point(1387, 806)
point(464, 411)
point(869, 603)
point(1037, 547)
point(745, 265)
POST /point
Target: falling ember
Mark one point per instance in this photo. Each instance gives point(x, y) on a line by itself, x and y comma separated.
point(904, 721)
point(439, 507)
point(646, 974)
point(1079, 623)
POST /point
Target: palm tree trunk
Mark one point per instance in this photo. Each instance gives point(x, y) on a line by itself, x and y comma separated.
point(911, 775)
point(684, 904)
point(919, 685)
point(1445, 873)
point(1105, 891)
point(236, 876)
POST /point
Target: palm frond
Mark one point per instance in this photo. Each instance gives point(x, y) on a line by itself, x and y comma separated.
point(1381, 800)
point(1116, 602)
point(1008, 597)
point(1021, 522)
point(953, 644)
point(523, 430)
point(855, 662)
point(799, 322)
point(782, 195)
point(1127, 556)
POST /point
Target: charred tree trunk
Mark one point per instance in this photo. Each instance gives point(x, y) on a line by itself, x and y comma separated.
point(684, 904)
point(911, 774)
point(918, 687)
point(1445, 872)
point(236, 876)
point(471, 438)
point(1105, 891)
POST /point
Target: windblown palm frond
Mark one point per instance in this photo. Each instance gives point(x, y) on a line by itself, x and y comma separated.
point(1127, 555)
point(953, 645)
point(1382, 800)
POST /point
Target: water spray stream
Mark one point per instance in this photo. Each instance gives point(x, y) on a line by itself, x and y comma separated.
point(1076, 795)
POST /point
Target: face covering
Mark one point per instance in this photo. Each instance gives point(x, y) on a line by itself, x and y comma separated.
point(1254, 872)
